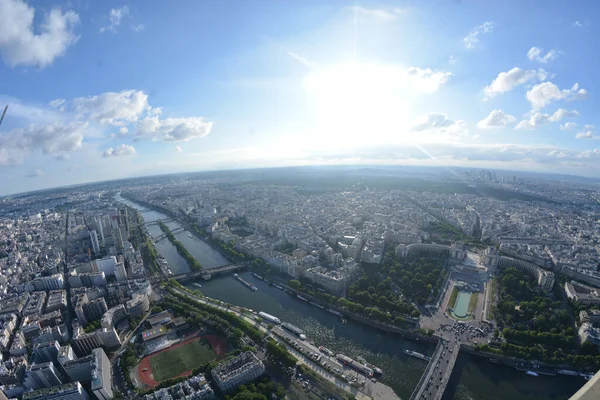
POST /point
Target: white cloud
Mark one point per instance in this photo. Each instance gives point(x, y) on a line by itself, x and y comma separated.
point(120, 150)
point(59, 104)
point(173, 129)
point(56, 139)
point(115, 17)
point(536, 119)
point(496, 119)
point(113, 108)
point(47, 130)
point(178, 149)
point(473, 37)
point(382, 14)
point(427, 79)
point(535, 54)
point(507, 81)
point(568, 126)
point(580, 24)
point(587, 133)
point(545, 93)
point(562, 113)
point(439, 122)
point(22, 43)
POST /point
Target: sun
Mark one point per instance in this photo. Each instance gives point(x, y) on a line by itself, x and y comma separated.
point(356, 104)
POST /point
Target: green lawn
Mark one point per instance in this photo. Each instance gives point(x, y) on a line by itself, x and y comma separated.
point(174, 362)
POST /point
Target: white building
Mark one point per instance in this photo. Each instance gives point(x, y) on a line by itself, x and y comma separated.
point(238, 371)
point(106, 265)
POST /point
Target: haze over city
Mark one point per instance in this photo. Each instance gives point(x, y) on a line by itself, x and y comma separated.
point(299, 200)
point(104, 90)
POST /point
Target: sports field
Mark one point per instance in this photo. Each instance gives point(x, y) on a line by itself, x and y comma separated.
point(173, 362)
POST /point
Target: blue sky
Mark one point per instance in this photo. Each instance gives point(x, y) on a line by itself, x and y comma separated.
point(104, 90)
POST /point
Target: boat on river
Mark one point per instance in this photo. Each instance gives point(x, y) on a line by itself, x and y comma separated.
point(294, 329)
point(197, 285)
point(417, 355)
point(278, 287)
point(326, 351)
point(347, 361)
point(376, 371)
point(301, 298)
point(189, 235)
point(247, 284)
point(269, 317)
point(531, 373)
point(316, 305)
point(567, 372)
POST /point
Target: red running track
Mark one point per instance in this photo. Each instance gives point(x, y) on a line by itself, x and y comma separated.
point(218, 344)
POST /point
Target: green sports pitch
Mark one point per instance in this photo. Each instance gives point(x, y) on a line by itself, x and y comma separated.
point(173, 362)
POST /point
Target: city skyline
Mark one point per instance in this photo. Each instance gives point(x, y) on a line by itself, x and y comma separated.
point(101, 91)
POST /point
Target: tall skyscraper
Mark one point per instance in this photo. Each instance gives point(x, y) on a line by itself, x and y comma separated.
point(95, 243)
point(99, 228)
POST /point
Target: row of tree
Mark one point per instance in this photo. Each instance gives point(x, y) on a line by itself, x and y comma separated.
point(192, 262)
point(228, 316)
point(280, 353)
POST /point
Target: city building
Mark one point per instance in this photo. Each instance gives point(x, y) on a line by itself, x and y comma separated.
point(114, 316)
point(138, 305)
point(238, 371)
point(101, 375)
point(581, 293)
point(12, 371)
point(581, 275)
point(588, 333)
point(84, 343)
point(120, 271)
point(335, 281)
point(95, 242)
point(106, 265)
point(46, 352)
point(53, 282)
point(67, 391)
point(79, 369)
point(57, 301)
point(43, 375)
point(194, 388)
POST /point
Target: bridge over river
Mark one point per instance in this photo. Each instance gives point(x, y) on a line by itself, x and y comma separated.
point(435, 377)
point(162, 235)
point(208, 273)
point(155, 222)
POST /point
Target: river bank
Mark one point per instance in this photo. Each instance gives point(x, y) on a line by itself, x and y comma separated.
point(473, 377)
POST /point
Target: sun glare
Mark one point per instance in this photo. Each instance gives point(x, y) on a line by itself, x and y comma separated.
point(356, 104)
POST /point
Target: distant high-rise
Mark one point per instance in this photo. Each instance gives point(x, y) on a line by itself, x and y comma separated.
point(99, 228)
point(95, 243)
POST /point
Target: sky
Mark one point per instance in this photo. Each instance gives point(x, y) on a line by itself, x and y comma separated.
point(101, 90)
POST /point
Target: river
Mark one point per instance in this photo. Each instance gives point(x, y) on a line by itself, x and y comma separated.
point(473, 378)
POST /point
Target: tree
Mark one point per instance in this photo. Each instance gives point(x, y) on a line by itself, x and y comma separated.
point(295, 284)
